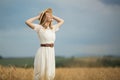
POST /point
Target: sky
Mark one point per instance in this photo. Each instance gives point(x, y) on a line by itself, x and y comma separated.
point(91, 27)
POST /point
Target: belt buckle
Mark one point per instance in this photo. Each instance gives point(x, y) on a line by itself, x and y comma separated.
point(51, 45)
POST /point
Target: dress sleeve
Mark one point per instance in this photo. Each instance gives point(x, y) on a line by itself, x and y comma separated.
point(37, 27)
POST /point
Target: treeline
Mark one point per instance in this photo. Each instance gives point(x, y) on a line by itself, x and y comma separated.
point(89, 62)
point(1, 57)
point(66, 62)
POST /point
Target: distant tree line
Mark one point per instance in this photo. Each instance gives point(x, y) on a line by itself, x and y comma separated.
point(1, 57)
point(105, 61)
point(89, 62)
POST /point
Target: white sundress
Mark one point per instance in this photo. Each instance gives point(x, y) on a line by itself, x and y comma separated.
point(44, 61)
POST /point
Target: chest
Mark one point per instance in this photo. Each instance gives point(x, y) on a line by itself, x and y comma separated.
point(47, 34)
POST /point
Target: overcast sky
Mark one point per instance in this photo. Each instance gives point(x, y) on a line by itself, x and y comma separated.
point(91, 27)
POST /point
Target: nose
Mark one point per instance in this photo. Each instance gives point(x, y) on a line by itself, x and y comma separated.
point(50, 16)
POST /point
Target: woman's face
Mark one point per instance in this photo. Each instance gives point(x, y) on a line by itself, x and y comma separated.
point(49, 17)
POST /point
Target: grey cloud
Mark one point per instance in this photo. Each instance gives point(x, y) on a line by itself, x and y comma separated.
point(87, 23)
point(111, 2)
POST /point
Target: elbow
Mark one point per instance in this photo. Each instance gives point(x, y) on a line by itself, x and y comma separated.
point(29, 24)
point(62, 21)
point(26, 22)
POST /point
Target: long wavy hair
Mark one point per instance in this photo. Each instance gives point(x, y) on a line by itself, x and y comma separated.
point(43, 18)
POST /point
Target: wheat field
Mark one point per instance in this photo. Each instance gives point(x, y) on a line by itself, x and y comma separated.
point(14, 73)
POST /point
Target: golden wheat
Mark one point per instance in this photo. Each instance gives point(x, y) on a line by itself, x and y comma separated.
point(14, 73)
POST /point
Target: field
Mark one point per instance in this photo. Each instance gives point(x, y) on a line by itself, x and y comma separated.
point(14, 73)
point(73, 68)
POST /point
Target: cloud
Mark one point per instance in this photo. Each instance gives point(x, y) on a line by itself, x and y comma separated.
point(111, 2)
point(18, 42)
point(91, 27)
point(99, 49)
point(88, 49)
point(15, 12)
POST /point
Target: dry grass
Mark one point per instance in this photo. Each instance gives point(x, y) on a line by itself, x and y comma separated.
point(88, 74)
point(13, 73)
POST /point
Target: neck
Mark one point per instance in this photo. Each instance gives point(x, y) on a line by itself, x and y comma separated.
point(47, 24)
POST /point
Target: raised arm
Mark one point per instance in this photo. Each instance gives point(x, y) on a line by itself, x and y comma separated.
point(29, 22)
point(59, 21)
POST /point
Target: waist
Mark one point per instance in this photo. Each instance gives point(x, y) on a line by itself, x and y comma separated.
point(47, 45)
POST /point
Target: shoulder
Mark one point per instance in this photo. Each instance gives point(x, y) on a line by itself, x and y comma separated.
point(37, 27)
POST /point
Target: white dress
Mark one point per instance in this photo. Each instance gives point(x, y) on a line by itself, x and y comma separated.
point(44, 61)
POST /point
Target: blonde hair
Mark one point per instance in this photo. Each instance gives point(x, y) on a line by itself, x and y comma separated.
point(43, 18)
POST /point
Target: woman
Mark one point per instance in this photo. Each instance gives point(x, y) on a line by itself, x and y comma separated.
point(44, 62)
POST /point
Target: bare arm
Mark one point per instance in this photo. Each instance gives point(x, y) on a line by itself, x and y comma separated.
point(29, 22)
point(59, 20)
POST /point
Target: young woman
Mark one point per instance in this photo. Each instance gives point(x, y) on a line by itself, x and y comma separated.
point(44, 61)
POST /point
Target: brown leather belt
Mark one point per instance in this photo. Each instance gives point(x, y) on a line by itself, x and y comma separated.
point(47, 45)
